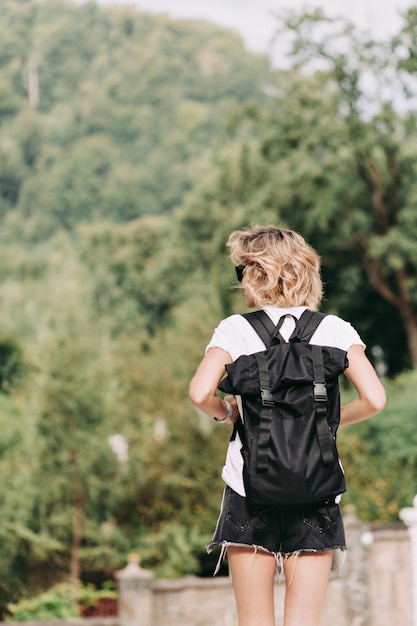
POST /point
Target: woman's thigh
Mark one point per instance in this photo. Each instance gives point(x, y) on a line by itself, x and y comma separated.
point(253, 584)
point(307, 577)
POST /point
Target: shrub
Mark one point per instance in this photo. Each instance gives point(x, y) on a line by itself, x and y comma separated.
point(59, 602)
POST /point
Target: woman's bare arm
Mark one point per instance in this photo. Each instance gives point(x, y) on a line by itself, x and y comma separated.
point(371, 394)
point(203, 387)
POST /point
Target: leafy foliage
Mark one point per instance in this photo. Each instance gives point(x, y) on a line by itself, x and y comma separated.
point(115, 112)
point(59, 602)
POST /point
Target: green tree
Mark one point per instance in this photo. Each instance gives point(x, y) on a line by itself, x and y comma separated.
point(74, 411)
point(107, 111)
point(373, 181)
point(19, 545)
point(329, 158)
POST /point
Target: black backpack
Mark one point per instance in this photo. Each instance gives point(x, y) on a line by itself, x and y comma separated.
point(291, 412)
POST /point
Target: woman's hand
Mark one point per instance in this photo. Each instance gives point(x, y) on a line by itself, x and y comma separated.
point(235, 408)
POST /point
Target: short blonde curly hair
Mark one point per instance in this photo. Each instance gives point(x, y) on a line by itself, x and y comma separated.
point(281, 268)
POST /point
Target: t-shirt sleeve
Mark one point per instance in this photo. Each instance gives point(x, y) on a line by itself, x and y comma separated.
point(227, 337)
point(338, 333)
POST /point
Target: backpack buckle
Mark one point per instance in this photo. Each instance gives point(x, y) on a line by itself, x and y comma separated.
point(320, 392)
point(266, 396)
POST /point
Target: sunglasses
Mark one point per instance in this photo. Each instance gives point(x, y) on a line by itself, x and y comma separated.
point(239, 272)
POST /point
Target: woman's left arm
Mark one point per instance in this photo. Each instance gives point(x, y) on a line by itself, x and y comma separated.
point(371, 394)
point(203, 386)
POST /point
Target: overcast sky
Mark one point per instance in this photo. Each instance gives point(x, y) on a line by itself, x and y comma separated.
point(254, 18)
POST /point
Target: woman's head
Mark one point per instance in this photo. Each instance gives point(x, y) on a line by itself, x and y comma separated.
point(280, 267)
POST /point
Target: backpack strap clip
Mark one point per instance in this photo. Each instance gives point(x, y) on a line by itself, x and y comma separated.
point(266, 397)
point(265, 388)
point(320, 391)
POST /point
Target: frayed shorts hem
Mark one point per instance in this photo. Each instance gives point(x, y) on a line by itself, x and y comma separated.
point(279, 556)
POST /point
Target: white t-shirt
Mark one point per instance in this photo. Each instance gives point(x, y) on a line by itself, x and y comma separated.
point(236, 336)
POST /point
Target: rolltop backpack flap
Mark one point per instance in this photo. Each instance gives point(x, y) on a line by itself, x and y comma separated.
point(242, 377)
point(287, 367)
point(293, 364)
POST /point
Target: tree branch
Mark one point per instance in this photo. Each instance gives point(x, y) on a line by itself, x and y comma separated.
point(377, 187)
point(378, 281)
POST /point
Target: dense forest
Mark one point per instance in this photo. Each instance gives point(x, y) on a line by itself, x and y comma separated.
point(130, 146)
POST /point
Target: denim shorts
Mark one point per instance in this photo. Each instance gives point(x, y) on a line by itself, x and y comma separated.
point(282, 531)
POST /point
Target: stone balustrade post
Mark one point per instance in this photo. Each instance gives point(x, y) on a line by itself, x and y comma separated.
point(135, 596)
point(409, 517)
point(355, 569)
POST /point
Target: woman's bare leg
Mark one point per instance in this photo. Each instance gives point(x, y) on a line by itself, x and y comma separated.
point(307, 576)
point(253, 584)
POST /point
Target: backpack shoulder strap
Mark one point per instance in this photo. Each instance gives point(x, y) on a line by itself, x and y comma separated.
point(304, 330)
point(320, 402)
point(266, 329)
point(306, 325)
point(263, 325)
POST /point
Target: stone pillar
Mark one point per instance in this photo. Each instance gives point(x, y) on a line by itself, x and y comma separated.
point(409, 517)
point(135, 597)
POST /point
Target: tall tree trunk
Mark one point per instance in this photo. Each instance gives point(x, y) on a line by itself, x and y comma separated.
point(77, 534)
point(400, 299)
point(408, 313)
point(33, 82)
point(77, 511)
point(410, 325)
